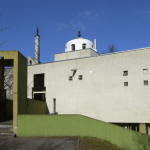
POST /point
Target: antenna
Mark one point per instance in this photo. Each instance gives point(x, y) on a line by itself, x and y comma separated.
point(37, 47)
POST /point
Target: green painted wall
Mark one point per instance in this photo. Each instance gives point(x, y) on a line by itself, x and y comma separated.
point(35, 107)
point(74, 125)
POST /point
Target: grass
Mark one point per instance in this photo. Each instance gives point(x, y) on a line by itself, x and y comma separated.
point(87, 143)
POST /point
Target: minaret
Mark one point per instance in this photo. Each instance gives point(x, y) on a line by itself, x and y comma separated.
point(37, 47)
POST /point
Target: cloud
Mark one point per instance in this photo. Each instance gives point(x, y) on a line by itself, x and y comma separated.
point(84, 13)
point(88, 15)
point(82, 26)
point(62, 26)
point(73, 25)
point(148, 12)
point(70, 24)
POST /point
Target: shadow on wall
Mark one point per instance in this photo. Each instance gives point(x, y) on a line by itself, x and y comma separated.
point(6, 110)
point(47, 110)
point(36, 106)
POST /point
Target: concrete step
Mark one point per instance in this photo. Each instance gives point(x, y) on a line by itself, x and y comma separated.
point(6, 135)
point(6, 131)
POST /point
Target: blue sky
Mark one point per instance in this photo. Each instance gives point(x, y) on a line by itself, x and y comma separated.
point(124, 23)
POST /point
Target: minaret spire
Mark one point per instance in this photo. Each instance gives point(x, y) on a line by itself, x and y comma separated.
point(37, 46)
point(37, 31)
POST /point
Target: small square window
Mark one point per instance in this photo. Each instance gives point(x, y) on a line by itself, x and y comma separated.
point(145, 82)
point(125, 83)
point(125, 73)
point(145, 71)
point(80, 77)
point(70, 78)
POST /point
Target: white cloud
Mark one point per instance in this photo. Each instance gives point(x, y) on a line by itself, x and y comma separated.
point(84, 13)
point(61, 26)
point(73, 25)
point(70, 24)
point(87, 13)
point(82, 26)
point(148, 12)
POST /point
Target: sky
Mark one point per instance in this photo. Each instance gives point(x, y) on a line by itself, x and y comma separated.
point(126, 23)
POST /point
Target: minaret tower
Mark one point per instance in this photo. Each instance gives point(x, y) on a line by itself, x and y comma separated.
point(37, 47)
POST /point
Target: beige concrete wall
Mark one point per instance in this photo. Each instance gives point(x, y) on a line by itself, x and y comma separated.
point(75, 54)
point(101, 94)
point(142, 128)
point(20, 83)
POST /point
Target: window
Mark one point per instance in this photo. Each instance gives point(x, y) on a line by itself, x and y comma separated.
point(39, 96)
point(125, 73)
point(73, 47)
point(70, 78)
point(145, 71)
point(84, 46)
point(39, 82)
point(145, 82)
point(54, 104)
point(30, 62)
point(80, 77)
point(125, 83)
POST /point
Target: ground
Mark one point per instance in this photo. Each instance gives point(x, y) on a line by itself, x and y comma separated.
point(87, 143)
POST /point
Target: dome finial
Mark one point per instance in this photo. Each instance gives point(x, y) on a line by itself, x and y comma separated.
point(79, 34)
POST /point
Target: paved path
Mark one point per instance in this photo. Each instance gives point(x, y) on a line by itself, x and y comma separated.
point(38, 143)
point(10, 122)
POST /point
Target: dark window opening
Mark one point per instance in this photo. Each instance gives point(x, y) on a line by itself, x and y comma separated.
point(73, 47)
point(70, 78)
point(83, 46)
point(39, 82)
point(80, 77)
point(125, 83)
point(145, 82)
point(30, 62)
point(125, 73)
point(54, 104)
point(39, 96)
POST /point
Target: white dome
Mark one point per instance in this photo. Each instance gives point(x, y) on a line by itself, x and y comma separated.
point(79, 44)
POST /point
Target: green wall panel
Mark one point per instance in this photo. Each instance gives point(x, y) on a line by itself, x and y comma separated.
point(75, 125)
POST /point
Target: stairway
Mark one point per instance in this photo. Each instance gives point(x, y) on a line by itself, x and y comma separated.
point(6, 130)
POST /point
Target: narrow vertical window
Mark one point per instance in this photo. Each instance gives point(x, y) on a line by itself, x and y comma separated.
point(70, 78)
point(73, 47)
point(30, 62)
point(84, 46)
point(80, 77)
point(125, 73)
point(54, 103)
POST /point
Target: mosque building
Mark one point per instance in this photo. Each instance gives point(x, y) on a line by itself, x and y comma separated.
point(112, 87)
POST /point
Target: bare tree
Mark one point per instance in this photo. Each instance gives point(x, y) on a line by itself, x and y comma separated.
point(1, 30)
point(112, 49)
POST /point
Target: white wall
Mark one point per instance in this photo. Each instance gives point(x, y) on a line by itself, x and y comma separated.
point(78, 44)
point(101, 94)
point(75, 54)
